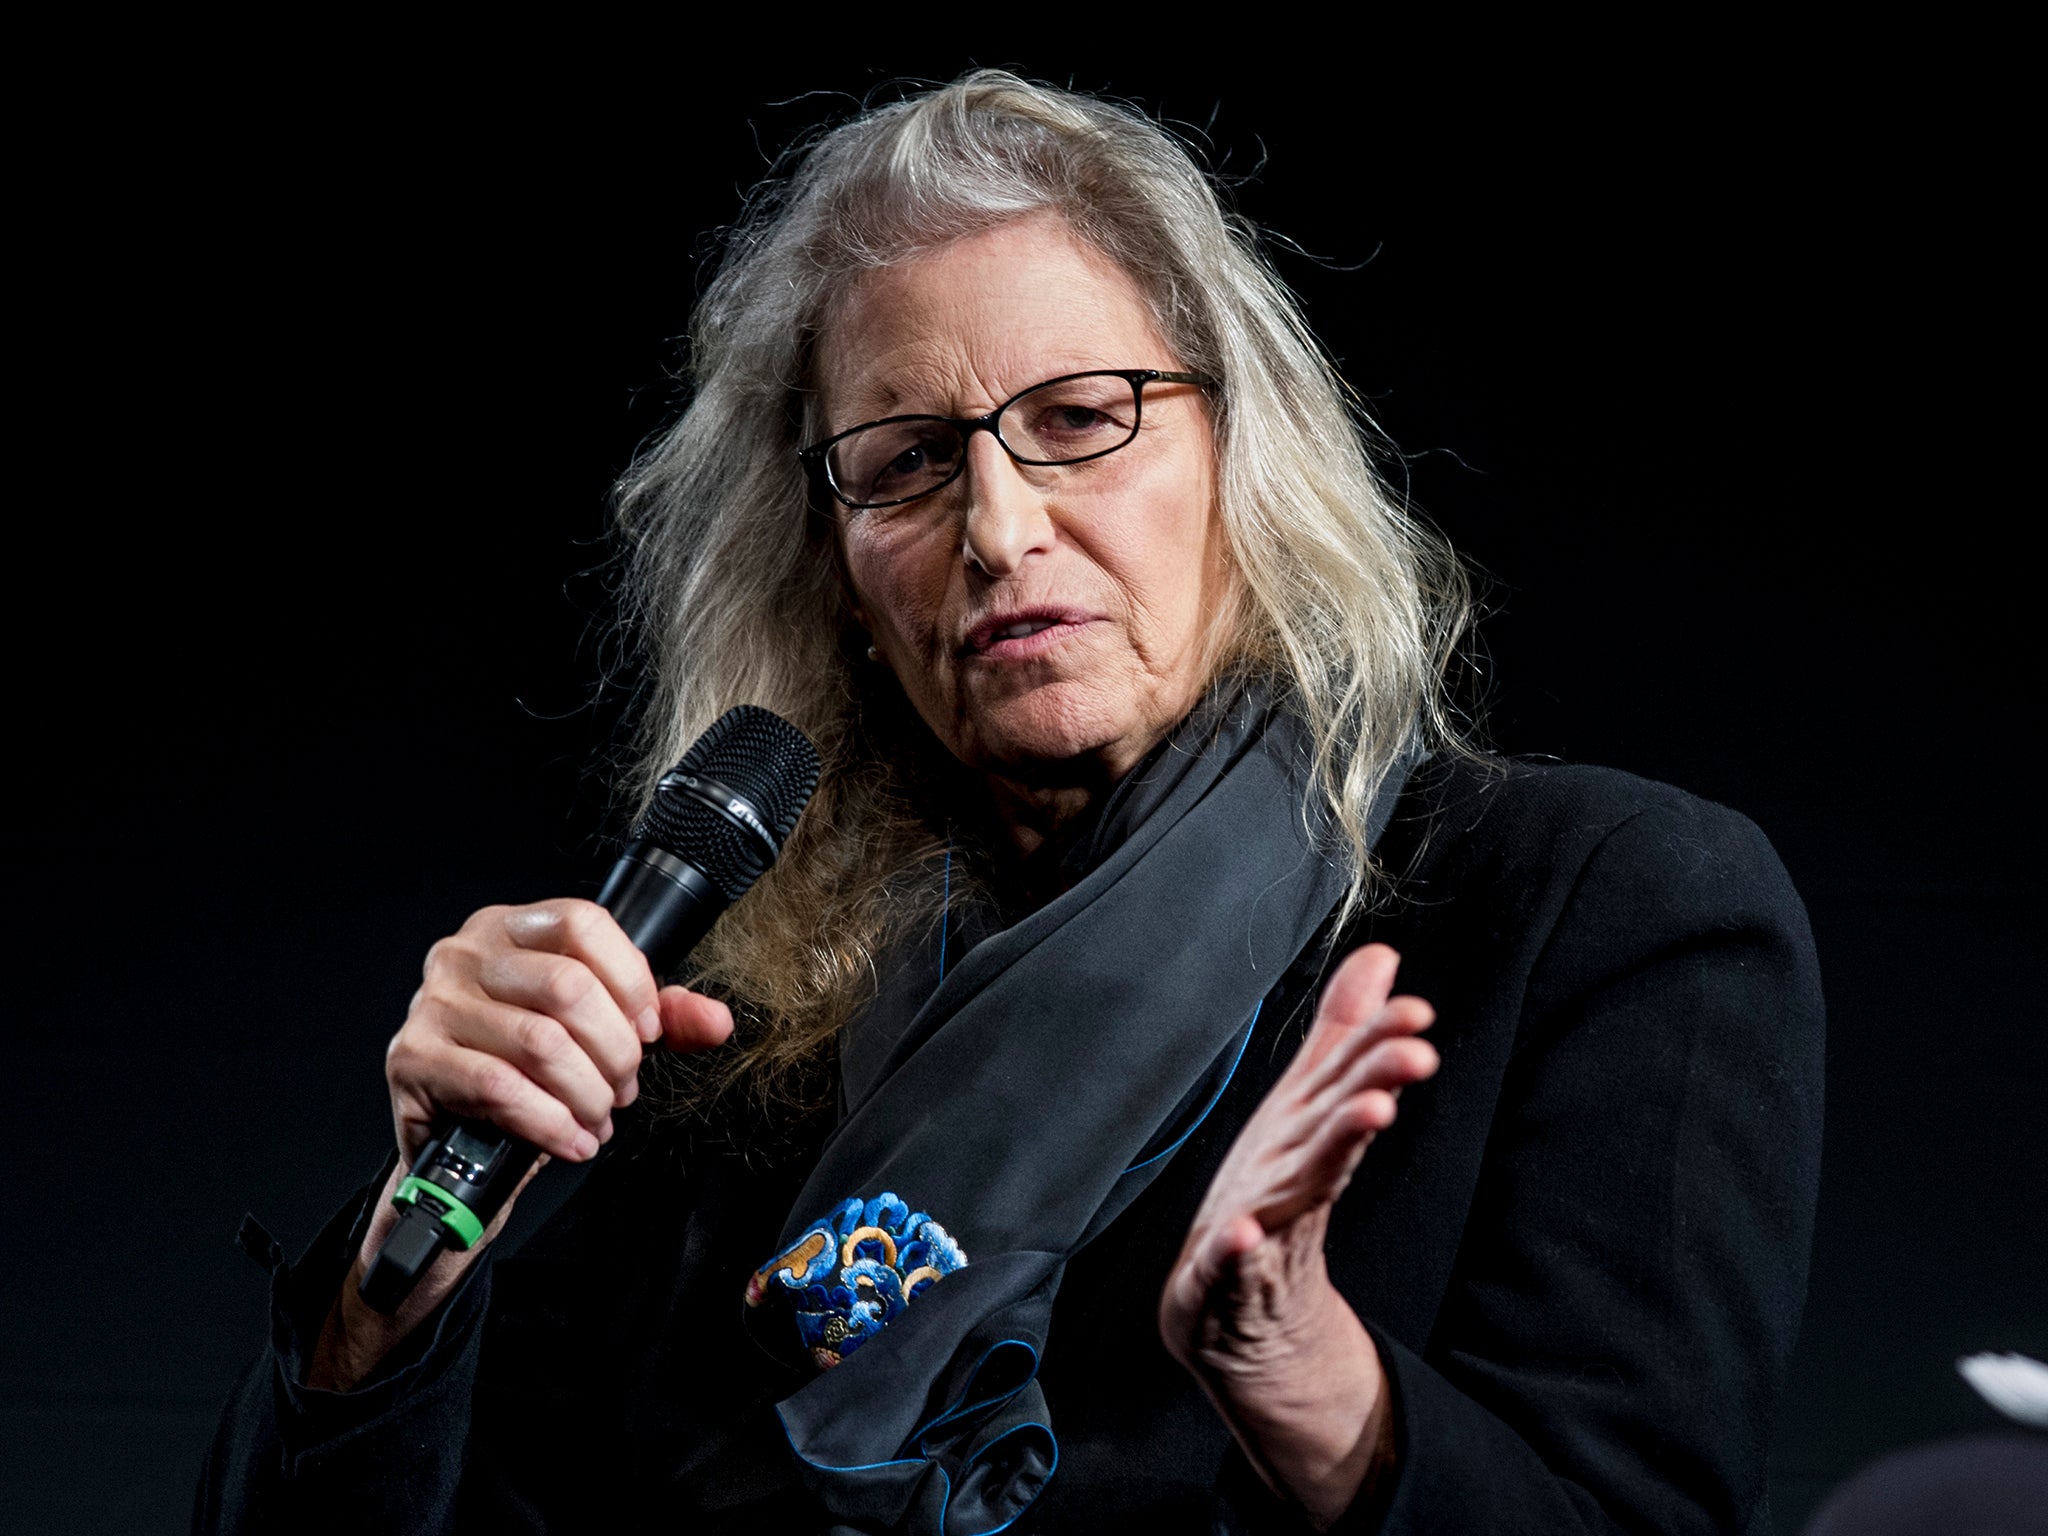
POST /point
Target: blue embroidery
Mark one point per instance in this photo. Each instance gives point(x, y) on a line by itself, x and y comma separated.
point(849, 1275)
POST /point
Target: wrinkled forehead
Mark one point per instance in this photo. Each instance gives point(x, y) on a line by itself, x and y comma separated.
point(958, 330)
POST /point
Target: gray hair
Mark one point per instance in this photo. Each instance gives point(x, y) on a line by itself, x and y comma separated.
point(1348, 603)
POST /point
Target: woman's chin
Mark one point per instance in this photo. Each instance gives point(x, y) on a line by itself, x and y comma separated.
point(1053, 741)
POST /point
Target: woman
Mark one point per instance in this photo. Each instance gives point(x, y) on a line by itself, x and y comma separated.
point(1012, 477)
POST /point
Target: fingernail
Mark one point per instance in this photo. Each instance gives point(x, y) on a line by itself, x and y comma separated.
point(586, 1145)
point(650, 1023)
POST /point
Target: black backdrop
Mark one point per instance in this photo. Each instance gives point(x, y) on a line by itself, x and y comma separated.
point(311, 616)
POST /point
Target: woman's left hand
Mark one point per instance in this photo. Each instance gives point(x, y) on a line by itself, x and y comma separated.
point(1249, 1307)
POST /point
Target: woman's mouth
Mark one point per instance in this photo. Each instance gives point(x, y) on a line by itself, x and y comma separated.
point(1019, 636)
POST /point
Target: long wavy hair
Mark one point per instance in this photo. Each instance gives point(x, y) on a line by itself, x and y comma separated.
point(1347, 603)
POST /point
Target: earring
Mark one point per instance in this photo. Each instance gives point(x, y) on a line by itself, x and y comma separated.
point(874, 654)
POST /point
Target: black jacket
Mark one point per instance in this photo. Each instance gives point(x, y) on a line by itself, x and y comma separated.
point(1581, 1249)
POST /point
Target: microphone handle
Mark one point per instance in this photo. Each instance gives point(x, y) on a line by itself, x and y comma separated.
point(468, 1168)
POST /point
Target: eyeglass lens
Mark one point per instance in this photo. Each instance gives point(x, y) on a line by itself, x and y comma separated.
point(1057, 423)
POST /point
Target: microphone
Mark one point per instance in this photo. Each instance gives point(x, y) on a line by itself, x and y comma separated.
point(719, 818)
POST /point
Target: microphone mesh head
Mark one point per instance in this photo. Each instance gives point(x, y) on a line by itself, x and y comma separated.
point(761, 758)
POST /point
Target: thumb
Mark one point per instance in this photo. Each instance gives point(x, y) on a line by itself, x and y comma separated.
point(1214, 1256)
point(690, 1021)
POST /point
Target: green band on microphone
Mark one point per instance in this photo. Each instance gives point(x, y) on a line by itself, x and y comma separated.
point(458, 1218)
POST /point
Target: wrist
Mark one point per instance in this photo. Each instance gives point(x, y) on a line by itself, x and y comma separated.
point(343, 1355)
point(354, 1338)
point(1308, 1403)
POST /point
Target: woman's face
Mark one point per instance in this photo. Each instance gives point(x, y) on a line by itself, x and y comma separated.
point(1050, 624)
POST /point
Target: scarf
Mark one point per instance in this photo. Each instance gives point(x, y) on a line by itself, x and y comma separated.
point(997, 1118)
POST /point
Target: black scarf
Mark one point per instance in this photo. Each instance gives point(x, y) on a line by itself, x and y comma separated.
point(1017, 1106)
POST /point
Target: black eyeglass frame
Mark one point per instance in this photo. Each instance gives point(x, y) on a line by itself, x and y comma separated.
point(815, 460)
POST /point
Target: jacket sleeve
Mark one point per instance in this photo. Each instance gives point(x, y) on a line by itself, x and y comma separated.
point(1629, 1289)
point(386, 1457)
point(1612, 1343)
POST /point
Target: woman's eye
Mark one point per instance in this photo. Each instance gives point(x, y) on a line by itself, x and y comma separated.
point(920, 461)
point(903, 463)
point(1070, 420)
point(1078, 418)
point(1059, 430)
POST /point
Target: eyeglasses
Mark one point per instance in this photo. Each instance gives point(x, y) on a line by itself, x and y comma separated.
point(1067, 420)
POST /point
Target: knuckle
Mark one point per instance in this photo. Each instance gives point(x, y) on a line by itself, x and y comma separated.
point(424, 1079)
point(538, 1038)
point(495, 1084)
point(432, 1013)
point(581, 920)
point(457, 954)
point(565, 983)
point(482, 925)
point(528, 927)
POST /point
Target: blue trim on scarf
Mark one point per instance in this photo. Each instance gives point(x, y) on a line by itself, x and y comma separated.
point(946, 1502)
point(1214, 1098)
point(866, 1466)
point(956, 1410)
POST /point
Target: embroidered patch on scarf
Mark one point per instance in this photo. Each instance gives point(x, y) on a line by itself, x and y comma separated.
point(852, 1273)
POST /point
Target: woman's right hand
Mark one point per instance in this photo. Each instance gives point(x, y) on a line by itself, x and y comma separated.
point(535, 1019)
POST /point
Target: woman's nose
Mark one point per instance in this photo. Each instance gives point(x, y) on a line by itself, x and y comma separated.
point(1007, 518)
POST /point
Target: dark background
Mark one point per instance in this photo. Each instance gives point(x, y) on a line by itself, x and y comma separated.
point(310, 610)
